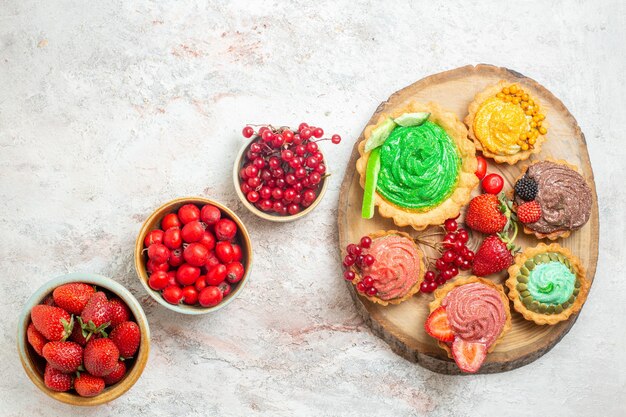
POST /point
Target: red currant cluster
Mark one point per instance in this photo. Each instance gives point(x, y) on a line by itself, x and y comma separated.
point(357, 257)
point(283, 169)
point(456, 256)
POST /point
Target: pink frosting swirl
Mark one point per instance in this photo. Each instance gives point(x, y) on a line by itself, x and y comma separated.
point(475, 312)
point(397, 266)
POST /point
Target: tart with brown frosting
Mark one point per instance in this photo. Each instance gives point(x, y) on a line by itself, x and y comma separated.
point(563, 196)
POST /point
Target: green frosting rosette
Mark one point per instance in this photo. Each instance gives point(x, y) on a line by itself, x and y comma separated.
point(419, 166)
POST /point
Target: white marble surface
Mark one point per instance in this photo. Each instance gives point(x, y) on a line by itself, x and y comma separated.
point(108, 108)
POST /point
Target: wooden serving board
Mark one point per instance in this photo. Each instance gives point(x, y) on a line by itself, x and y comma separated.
point(402, 326)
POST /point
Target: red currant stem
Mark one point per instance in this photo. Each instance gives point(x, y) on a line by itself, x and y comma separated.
point(426, 243)
point(430, 235)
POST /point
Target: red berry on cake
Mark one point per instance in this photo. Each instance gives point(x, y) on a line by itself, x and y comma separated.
point(529, 212)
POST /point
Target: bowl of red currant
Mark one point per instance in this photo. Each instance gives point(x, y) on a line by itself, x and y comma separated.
point(280, 174)
point(193, 255)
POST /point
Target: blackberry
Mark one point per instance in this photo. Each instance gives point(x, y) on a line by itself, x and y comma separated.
point(526, 188)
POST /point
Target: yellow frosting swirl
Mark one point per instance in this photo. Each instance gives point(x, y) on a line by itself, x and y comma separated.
point(498, 126)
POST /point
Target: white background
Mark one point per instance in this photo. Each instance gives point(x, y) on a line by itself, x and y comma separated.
point(109, 108)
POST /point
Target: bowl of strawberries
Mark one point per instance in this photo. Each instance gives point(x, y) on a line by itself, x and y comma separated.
point(193, 255)
point(83, 339)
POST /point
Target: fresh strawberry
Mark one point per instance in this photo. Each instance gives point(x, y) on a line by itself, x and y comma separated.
point(529, 212)
point(487, 214)
point(48, 301)
point(468, 356)
point(88, 385)
point(81, 336)
point(101, 356)
point(117, 374)
point(119, 311)
point(493, 255)
point(126, 337)
point(63, 356)
point(53, 323)
point(96, 315)
point(437, 325)
point(36, 339)
point(56, 380)
point(73, 297)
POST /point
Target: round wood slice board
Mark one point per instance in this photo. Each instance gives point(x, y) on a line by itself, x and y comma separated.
point(402, 325)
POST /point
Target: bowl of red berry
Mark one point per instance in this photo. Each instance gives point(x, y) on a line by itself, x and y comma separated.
point(193, 255)
point(280, 174)
point(83, 339)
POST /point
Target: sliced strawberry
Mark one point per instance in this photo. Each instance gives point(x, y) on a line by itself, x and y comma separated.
point(469, 356)
point(437, 325)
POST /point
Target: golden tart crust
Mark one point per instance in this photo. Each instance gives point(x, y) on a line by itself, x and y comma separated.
point(414, 289)
point(514, 295)
point(450, 207)
point(441, 293)
point(473, 108)
point(527, 230)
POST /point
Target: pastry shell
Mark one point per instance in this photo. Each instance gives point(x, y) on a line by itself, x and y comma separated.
point(450, 207)
point(479, 98)
point(441, 293)
point(514, 295)
point(527, 230)
point(414, 289)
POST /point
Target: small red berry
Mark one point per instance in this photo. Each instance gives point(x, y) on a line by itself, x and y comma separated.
point(366, 242)
point(371, 291)
point(247, 132)
point(349, 275)
point(450, 225)
point(318, 132)
point(429, 276)
point(368, 281)
point(335, 139)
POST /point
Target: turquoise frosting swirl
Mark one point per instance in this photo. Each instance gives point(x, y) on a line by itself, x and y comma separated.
point(551, 283)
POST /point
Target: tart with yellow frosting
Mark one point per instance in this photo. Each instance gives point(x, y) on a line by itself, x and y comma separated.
point(506, 123)
point(547, 284)
point(417, 165)
point(396, 271)
point(469, 317)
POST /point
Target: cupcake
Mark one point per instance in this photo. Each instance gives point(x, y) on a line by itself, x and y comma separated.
point(506, 123)
point(552, 199)
point(547, 284)
point(469, 317)
point(417, 165)
point(396, 269)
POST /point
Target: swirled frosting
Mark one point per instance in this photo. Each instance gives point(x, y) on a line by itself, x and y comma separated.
point(551, 283)
point(475, 312)
point(419, 166)
point(564, 197)
point(498, 126)
point(397, 266)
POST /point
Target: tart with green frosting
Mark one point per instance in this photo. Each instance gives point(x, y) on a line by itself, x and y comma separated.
point(547, 284)
point(424, 165)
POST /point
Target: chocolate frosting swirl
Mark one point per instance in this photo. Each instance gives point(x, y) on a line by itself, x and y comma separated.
point(564, 197)
point(475, 312)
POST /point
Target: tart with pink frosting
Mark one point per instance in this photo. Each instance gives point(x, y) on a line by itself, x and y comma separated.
point(398, 269)
point(469, 317)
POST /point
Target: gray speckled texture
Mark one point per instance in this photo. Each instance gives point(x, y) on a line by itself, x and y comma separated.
point(109, 108)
